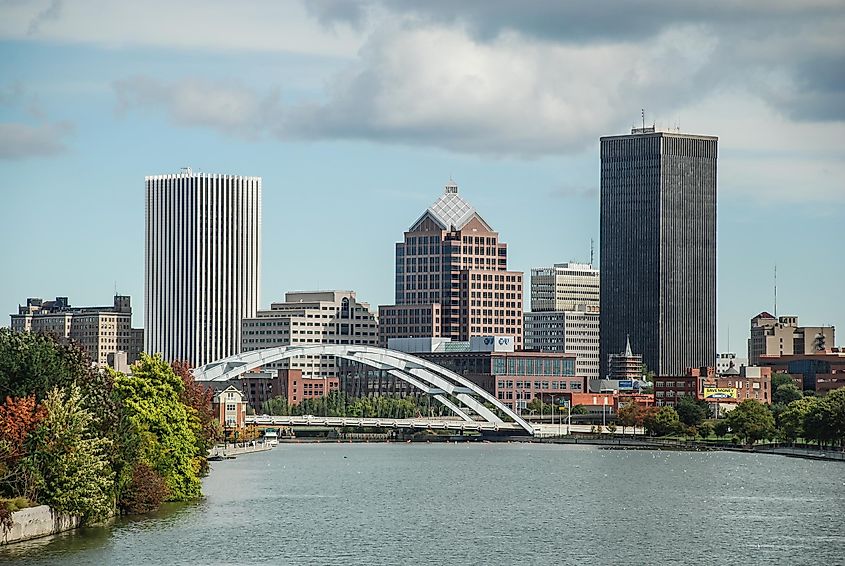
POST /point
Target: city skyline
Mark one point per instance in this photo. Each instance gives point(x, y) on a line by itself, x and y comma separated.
point(85, 115)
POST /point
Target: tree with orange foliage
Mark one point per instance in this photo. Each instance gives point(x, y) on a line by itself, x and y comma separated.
point(19, 417)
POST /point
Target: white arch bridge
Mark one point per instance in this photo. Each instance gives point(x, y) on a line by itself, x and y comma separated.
point(460, 395)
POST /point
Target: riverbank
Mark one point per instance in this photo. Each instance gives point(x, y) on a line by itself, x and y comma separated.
point(228, 450)
point(646, 443)
point(36, 522)
point(606, 441)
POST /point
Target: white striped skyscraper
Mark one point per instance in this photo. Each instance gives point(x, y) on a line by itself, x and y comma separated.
point(202, 263)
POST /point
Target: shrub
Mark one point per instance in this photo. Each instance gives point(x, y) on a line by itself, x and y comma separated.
point(145, 492)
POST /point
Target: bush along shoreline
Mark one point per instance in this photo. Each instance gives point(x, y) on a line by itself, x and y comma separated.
point(95, 443)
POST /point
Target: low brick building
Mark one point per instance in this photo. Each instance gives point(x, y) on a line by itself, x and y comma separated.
point(644, 400)
point(751, 383)
point(820, 371)
point(669, 389)
point(298, 388)
point(229, 407)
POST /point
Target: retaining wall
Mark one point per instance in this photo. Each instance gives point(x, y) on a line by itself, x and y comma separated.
point(35, 522)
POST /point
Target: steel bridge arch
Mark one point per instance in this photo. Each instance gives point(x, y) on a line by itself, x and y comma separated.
point(427, 376)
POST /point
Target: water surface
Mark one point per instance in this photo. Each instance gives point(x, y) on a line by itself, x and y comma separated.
point(482, 504)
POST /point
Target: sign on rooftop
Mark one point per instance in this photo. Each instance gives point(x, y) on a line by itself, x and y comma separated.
point(491, 344)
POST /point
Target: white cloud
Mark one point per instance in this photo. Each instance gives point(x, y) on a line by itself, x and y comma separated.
point(261, 25)
point(511, 96)
point(228, 107)
point(19, 140)
point(438, 86)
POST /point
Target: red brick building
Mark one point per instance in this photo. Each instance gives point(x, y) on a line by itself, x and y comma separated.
point(229, 407)
point(820, 371)
point(644, 400)
point(452, 279)
point(296, 388)
point(751, 383)
point(669, 389)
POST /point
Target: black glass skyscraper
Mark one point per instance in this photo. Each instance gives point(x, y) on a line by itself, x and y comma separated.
point(658, 249)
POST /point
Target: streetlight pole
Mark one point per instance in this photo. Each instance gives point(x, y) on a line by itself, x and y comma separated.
point(603, 410)
point(541, 409)
point(559, 421)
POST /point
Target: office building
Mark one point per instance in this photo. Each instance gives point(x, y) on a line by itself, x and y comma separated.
point(308, 318)
point(452, 279)
point(103, 333)
point(564, 314)
point(571, 332)
point(491, 362)
point(817, 371)
point(658, 248)
point(202, 263)
point(781, 336)
point(565, 287)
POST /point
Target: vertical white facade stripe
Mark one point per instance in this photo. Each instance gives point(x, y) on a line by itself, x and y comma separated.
point(202, 263)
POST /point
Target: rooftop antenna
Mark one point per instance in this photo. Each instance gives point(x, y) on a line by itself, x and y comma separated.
point(592, 251)
point(776, 290)
point(642, 112)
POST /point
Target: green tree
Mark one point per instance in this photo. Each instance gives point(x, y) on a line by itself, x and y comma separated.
point(663, 421)
point(824, 420)
point(70, 459)
point(32, 363)
point(780, 379)
point(817, 421)
point(791, 419)
point(752, 421)
point(786, 393)
point(536, 406)
point(277, 406)
point(691, 411)
point(721, 428)
point(836, 400)
point(705, 429)
point(168, 443)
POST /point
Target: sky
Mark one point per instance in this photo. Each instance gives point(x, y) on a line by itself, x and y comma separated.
point(356, 113)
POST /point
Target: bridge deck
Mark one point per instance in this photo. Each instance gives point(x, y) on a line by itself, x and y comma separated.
point(421, 424)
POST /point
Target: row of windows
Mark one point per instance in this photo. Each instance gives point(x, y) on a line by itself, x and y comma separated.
point(510, 395)
point(677, 384)
point(538, 385)
point(518, 365)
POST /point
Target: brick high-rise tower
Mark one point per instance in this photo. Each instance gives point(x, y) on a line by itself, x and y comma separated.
point(452, 279)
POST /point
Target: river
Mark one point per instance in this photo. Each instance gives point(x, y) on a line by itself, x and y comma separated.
point(488, 504)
